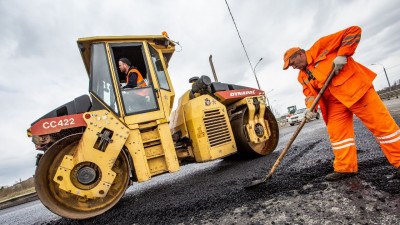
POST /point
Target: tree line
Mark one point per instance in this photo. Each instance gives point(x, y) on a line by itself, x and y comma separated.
point(394, 86)
point(17, 188)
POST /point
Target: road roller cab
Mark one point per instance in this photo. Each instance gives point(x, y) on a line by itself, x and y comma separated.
point(97, 145)
point(150, 55)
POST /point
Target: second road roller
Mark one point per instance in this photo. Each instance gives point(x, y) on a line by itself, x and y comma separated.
point(92, 148)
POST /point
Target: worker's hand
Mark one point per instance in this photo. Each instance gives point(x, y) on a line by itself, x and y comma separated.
point(309, 115)
point(338, 63)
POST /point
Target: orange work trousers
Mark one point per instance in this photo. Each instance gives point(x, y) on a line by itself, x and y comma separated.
point(375, 116)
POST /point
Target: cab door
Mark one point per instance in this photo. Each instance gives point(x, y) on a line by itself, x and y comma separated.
point(101, 85)
point(166, 90)
point(140, 104)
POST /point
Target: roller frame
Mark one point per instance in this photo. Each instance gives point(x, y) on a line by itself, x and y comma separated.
point(96, 122)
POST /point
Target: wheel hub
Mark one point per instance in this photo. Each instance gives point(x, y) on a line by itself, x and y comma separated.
point(259, 130)
point(86, 175)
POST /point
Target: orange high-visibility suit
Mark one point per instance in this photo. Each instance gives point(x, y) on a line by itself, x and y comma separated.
point(135, 78)
point(350, 91)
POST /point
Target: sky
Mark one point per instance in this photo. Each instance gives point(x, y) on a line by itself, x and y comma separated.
point(41, 67)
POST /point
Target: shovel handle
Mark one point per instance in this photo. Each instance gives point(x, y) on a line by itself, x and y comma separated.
point(321, 92)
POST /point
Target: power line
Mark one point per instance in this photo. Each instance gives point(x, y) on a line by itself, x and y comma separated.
point(240, 37)
point(388, 68)
point(393, 66)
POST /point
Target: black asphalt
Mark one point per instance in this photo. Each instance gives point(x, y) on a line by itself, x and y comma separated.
point(213, 192)
point(297, 192)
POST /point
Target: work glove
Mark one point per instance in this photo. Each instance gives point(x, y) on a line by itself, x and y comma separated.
point(338, 63)
point(309, 115)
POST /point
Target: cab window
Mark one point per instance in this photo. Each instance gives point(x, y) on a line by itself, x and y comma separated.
point(159, 69)
point(139, 99)
point(100, 77)
point(134, 52)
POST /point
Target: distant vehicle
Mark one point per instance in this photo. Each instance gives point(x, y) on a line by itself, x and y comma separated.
point(291, 109)
point(298, 116)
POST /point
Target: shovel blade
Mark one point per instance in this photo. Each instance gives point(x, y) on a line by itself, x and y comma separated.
point(255, 183)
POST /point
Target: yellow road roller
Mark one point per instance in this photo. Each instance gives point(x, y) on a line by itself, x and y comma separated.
point(94, 147)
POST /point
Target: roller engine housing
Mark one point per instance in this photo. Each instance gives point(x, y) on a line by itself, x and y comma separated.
point(214, 114)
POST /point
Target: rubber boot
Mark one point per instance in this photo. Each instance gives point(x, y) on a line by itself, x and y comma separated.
point(338, 176)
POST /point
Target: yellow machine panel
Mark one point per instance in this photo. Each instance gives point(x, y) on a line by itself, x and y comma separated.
point(178, 122)
point(209, 129)
point(152, 150)
point(93, 150)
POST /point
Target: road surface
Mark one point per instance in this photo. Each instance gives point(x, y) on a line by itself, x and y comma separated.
point(213, 193)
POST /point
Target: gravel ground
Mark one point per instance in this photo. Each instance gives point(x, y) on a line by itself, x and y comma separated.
point(214, 193)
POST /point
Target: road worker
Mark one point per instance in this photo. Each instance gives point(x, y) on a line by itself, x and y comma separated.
point(350, 92)
point(133, 76)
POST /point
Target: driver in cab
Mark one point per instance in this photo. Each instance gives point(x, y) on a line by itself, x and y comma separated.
point(133, 77)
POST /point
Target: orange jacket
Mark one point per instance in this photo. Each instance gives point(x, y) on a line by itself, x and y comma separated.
point(139, 81)
point(350, 84)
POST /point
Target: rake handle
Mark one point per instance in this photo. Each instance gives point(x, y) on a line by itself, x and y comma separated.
point(321, 92)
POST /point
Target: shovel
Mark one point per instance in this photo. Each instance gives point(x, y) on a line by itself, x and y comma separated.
point(321, 92)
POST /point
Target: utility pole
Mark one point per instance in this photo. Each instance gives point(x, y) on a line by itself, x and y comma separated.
point(384, 70)
point(212, 68)
point(254, 72)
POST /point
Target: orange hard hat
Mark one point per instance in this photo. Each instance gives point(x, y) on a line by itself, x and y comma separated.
point(287, 55)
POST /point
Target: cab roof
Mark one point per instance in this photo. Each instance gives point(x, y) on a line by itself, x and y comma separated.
point(160, 42)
